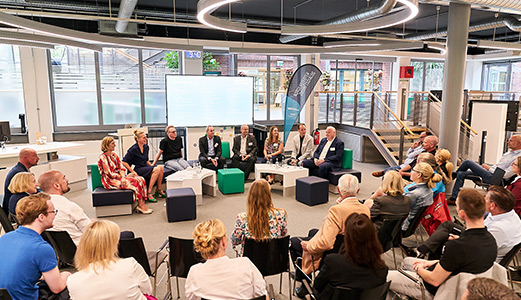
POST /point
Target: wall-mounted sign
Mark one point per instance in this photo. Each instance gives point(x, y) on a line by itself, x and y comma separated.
point(193, 54)
point(280, 63)
point(406, 72)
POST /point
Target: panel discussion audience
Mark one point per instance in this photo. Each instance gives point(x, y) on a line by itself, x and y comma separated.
point(244, 150)
point(515, 185)
point(389, 200)
point(471, 168)
point(101, 273)
point(445, 167)
point(359, 267)
point(502, 222)
point(481, 288)
point(273, 147)
point(302, 146)
point(327, 156)
point(429, 159)
point(312, 247)
point(25, 257)
point(114, 175)
point(171, 147)
point(221, 277)
point(210, 150)
point(27, 158)
point(473, 252)
point(261, 220)
point(137, 156)
point(22, 185)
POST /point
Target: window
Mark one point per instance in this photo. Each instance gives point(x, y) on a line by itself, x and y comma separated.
point(256, 66)
point(12, 100)
point(281, 70)
point(428, 75)
point(497, 77)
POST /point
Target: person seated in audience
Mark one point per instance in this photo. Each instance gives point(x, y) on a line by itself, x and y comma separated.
point(388, 201)
point(420, 190)
point(24, 256)
point(137, 155)
point(22, 185)
point(312, 247)
point(171, 147)
point(430, 143)
point(473, 252)
point(261, 220)
point(302, 146)
point(359, 267)
point(114, 177)
point(413, 152)
point(273, 147)
point(445, 167)
point(502, 222)
point(327, 156)
point(244, 150)
point(515, 185)
point(101, 273)
point(481, 288)
point(431, 161)
point(221, 277)
point(27, 158)
point(471, 168)
point(210, 150)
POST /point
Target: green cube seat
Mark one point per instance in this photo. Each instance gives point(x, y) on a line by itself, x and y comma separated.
point(347, 159)
point(95, 177)
point(231, 181)
point(225, 149)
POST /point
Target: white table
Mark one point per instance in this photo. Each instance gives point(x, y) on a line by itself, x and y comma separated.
point(203, 182)
point(289, 174)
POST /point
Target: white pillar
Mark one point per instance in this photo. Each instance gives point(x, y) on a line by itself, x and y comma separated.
point(191, 65)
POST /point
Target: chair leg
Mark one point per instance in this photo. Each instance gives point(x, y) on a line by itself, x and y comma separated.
point(177, 283)
point(289, 285)
point(394, 258)
point(280, 284)
point(155, 286)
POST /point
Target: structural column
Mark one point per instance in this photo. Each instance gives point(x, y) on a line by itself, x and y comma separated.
point(454, 77)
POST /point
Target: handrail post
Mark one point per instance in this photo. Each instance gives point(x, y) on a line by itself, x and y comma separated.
point(327, 108)
point(341, 107)
point(334, 107)
point(402, 140)
point(355, 108)
point(416, 109)
point(371, 118)
point(386, 113)
point(428, 118)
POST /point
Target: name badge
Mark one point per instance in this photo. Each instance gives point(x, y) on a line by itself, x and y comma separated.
point(332, 149)
point(215, 145)
point(250, 143)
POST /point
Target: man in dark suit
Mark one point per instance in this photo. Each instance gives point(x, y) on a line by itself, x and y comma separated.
point(327, 156)
point(27, 158)
point(244, 149)
point(210, 150)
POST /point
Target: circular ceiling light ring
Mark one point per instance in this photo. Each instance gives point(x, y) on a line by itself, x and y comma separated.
point(206, 7)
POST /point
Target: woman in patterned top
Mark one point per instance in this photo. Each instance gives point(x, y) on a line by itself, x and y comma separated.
point(262, 220)
point(273, 147)
point(113, 175)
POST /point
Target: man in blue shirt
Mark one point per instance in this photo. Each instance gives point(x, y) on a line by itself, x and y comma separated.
point(27, 158)
point(25, 256)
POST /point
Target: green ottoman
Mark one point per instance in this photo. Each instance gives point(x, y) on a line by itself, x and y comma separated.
point(231, 181)
point(347, 159)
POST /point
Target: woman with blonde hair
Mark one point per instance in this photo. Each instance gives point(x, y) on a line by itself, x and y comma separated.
point(262, 220)
point(389, 200)
point(113, 175)
point(445, 166)
point(23, 184)
point(273, 147)
point(137, 155)
point(420, 190)
point(220, 277)
point(101, 273)
point(429, 158)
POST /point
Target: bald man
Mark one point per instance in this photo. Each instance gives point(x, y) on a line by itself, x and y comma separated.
point(27, 158)
point(328, 156)
point(244, 150)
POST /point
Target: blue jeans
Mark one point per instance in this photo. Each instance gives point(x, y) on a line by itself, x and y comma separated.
point(177, 164)
point(395, 168)
point(469, 168)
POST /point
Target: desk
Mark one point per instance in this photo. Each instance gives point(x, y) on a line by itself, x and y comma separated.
point(203, 182)
point(289, 173)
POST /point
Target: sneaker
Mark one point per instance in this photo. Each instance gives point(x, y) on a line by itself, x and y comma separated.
point(378, 173)
point(451, 201)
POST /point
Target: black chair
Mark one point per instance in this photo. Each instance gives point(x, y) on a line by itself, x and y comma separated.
point(388, 232)
point(270, 256)
point(507, 259)
point(149, 260)
point(413, 225)
point(346, 293)
point(4, 295)
point(6, 225)
point(182, 257)
point(497, 179)
point(63, 245)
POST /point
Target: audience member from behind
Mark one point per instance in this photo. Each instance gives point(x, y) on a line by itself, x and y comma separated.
point(210, 150)
point(327, 156)
point(22, 185)
point(24, 256)
point(244, 150)
point(101, 273)
point(273, 147)
point(221, 277)
point(171, 147)
point(302, 146)
point(389, 201)
point(488, 289)
point(137, 155)
point(27, 158)
point(360, 267)
point(431, 161)
point(515, 185)
point(113, 175)
point(261, 221)
point(445, 167)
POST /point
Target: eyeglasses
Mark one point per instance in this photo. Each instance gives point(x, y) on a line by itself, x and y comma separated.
point(514, 164)
point(53, 212)
point(413, 169)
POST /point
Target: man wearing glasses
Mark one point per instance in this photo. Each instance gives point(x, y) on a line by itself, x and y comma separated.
point(25, 256)
point(171, 147)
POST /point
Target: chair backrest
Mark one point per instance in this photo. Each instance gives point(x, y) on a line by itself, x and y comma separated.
point(182, 256)
point(63, 245)
point(135, 248)
point(4, 295)
point(376, 293)
point(497, 177)
point(414, 222)
point(270, 256)
point(347, 159)
point(505, 261)
point(6, 225)
point(337, 246)
point(225, 149)
point(95, 177)
point(389, 231)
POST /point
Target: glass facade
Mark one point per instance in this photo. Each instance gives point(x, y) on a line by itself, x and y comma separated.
point(428, 75)
point(12, 100)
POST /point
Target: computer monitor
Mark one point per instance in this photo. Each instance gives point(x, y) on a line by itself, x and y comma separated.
point(5, 131)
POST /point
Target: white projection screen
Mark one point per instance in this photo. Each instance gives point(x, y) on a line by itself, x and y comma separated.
point(209, 100)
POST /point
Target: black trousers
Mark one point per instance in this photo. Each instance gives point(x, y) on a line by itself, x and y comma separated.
point(439, 237)
point(295, 250)
point(250, 164)
point(206, 163)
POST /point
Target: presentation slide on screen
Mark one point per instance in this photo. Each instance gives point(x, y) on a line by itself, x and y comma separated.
point(209, 100)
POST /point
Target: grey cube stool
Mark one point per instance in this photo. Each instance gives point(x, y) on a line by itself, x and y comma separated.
point(112, 202)
point(180, 204)
point(312, 190)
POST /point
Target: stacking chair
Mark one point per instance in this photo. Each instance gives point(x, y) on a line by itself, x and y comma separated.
point(497, 179)
point(149, 260)
point(388, 232)
point(6, 225)
point(270, 256)
point(63, 246)
point(413, 225)
point(182, 257)
point(347, 293)
point(4, 295)
point(507, 259)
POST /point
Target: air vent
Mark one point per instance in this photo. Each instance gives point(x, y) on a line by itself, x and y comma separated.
point(108, 28)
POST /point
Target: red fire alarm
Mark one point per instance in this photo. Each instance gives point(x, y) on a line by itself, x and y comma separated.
point(406, 72)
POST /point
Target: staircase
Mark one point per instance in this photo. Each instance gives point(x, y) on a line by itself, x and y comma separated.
point(390, 139)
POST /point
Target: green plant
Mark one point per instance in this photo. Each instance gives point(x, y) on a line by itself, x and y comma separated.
point(172, 59)
point(209, 63)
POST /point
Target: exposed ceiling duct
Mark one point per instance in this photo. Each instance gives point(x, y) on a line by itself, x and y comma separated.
point(126, 7)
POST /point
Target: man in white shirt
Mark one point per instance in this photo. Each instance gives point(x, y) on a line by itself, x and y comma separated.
point(302, 146)
point(244, 150)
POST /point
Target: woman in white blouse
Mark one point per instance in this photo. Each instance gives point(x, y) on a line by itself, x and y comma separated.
point(221, 277)
point(101, 273)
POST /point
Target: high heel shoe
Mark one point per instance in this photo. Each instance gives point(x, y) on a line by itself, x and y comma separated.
point(145, 212)
point(151, 198)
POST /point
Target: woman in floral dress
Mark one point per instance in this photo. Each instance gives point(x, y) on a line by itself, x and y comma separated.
point(273, 147)
point(261, 221)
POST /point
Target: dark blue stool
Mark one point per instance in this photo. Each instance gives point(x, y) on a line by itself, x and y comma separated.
point(312, 190)
point(112, 202)
point(180, 204)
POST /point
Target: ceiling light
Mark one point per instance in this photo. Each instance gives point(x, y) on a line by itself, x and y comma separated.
point(498, 45)
point(351, 44)
point(438, 46)
point(26, 44)
point(206, 7)
point(27, 37)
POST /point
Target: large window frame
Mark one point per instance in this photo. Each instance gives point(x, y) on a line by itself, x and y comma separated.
point(424, 73)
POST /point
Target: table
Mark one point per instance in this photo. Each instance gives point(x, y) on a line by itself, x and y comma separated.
point(289, 174)
point(202, 182)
